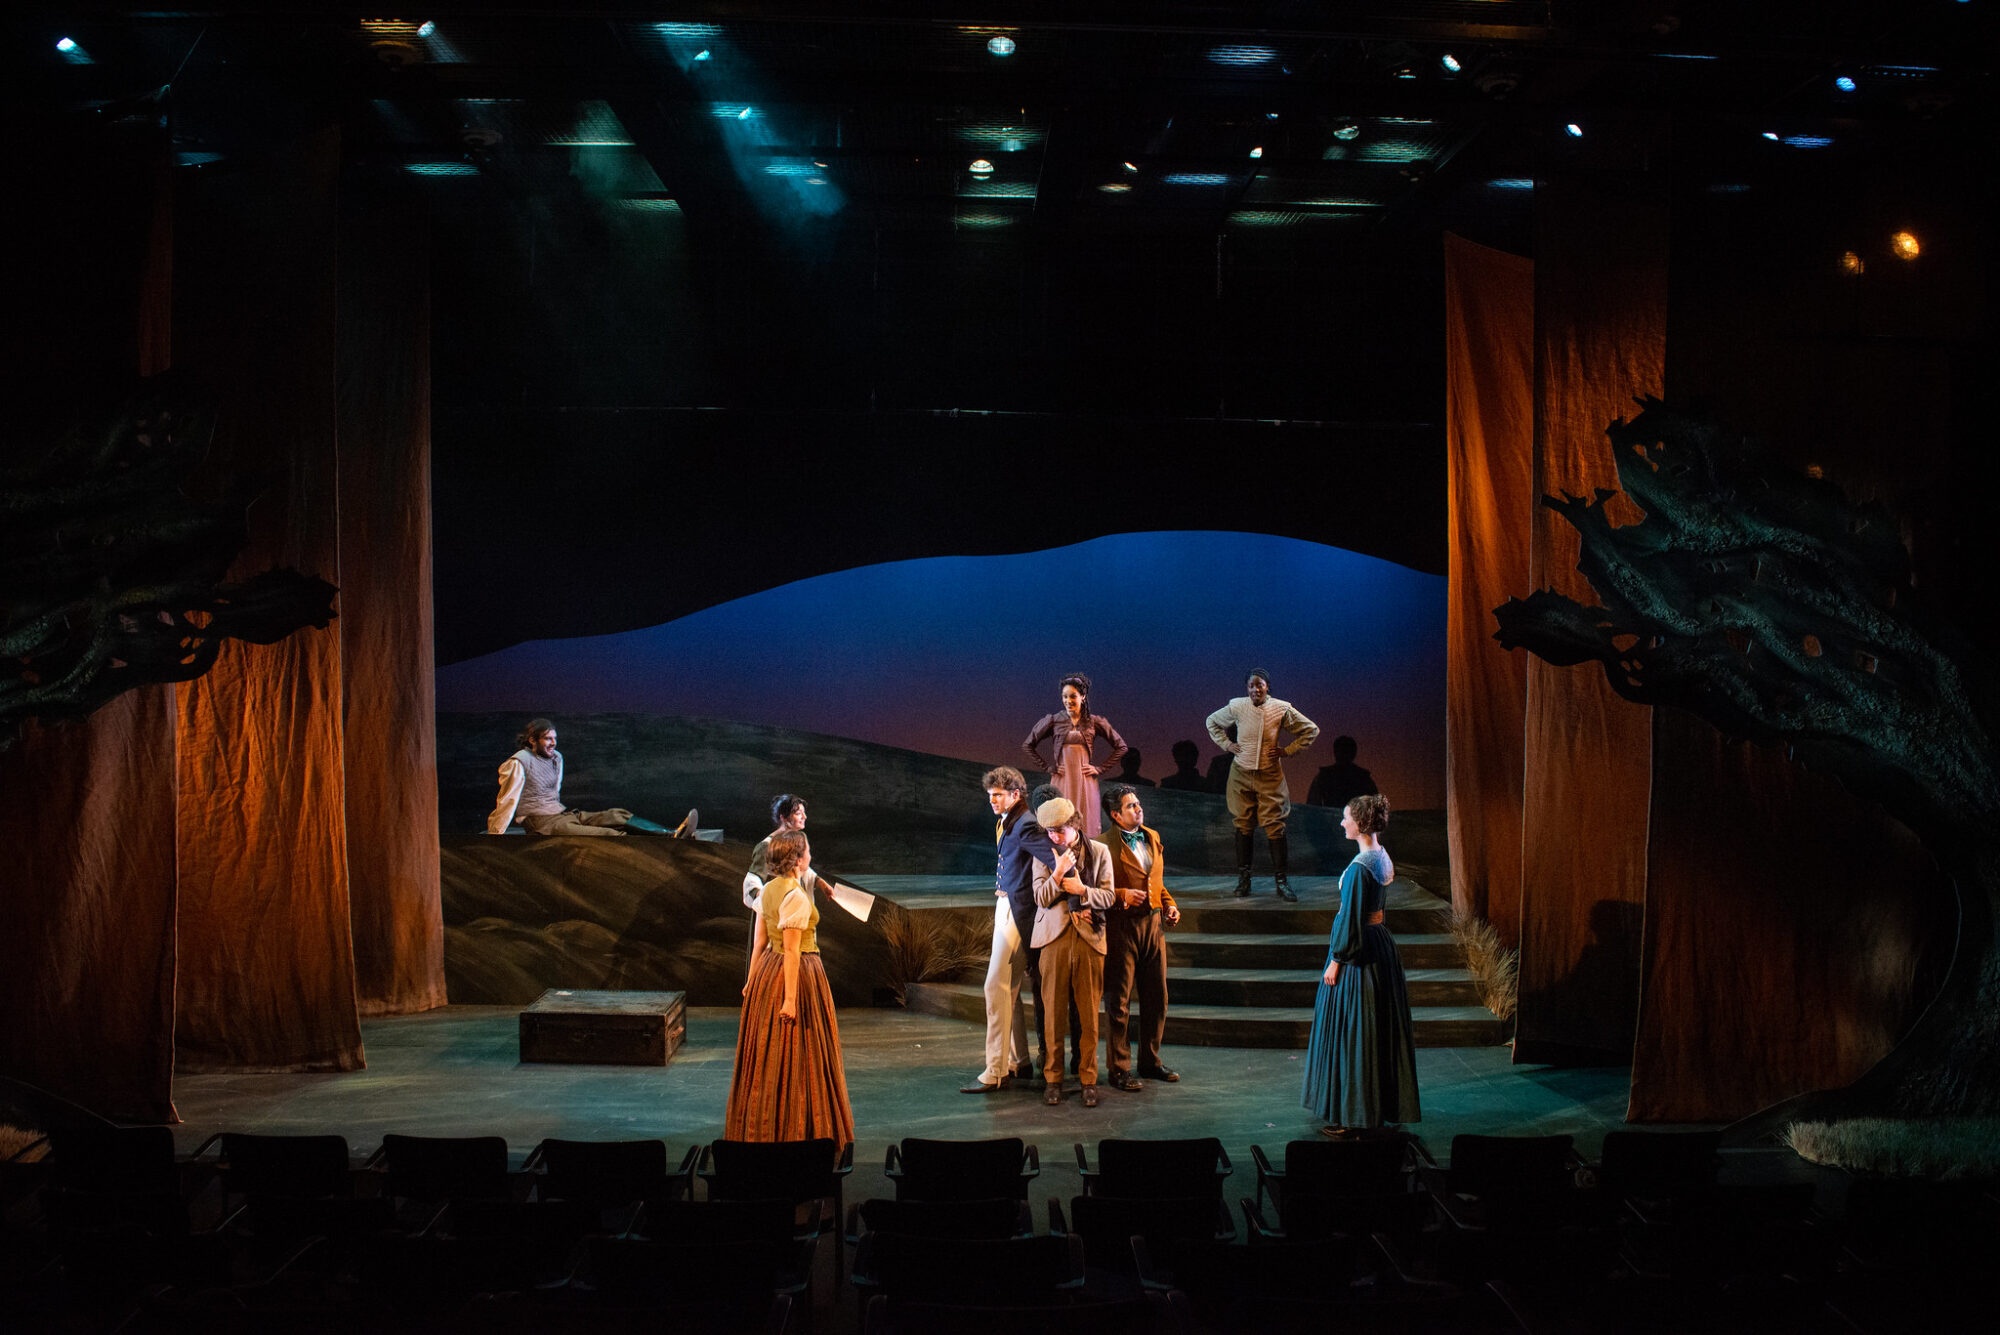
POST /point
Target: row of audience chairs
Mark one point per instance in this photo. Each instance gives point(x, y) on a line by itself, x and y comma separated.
point(1514, 1230)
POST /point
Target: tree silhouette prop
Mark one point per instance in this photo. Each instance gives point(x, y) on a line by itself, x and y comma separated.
point(111, 576)
point(1765, 602)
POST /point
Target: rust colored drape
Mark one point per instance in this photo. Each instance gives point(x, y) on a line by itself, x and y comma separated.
point(1793, 933)
point(1785, 930)
point(1490, 435)
point(388, 733)
point(266, 953)
point(87, 893)
point(1600, 340)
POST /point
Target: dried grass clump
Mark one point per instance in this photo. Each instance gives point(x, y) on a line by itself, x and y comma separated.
point(17, 1140)
point(1940, 1148)
point(933, 947)
point(1495, 969)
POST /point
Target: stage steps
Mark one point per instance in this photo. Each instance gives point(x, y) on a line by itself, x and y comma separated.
point(1246, 975)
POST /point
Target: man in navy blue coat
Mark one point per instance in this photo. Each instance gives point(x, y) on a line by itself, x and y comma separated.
point(1019, 843)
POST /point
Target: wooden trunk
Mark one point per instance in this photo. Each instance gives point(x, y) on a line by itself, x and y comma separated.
point(606, 1028)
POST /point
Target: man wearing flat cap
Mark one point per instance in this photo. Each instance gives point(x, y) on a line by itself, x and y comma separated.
point(1071, 898)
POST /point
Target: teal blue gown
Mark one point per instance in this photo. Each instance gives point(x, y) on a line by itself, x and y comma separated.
point(1361, 1065)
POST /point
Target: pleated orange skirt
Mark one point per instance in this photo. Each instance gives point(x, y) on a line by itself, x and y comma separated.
point(789, 1083)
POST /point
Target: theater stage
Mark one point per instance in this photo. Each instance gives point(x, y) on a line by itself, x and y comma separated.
point(457, 1071)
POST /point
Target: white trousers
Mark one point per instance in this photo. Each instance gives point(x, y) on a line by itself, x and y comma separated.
point(1006, 969)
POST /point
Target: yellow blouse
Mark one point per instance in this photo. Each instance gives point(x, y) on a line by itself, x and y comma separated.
point(787, 904)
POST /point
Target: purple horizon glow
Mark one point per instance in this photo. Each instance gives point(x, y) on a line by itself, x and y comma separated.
point(959, 656)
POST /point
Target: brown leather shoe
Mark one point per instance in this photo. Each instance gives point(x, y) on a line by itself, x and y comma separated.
point(1054, 1095)
point(1126, 1081)
point(1090, 1096)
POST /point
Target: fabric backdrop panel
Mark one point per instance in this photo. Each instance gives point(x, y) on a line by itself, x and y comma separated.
point(87, 918)
point(1788, 930)
point(389, 706)
point(1600, 336)
point(1811, 931)
point(87, 809)
point(266, 951)
point(1490, 432)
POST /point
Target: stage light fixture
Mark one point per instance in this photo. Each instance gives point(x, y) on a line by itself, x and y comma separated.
point(1450, 63)
point(1904, 245)
point(1573, 130)
point(1845, 83)
point(703, 54)
point(1771, 135)
point(980, 167)
point(1000, 46)
point(426, 28)
point(1345, 130)
point(1851, 263)
point(65, 45)
point(745, 114)
point(1130, 167)
point(1257, 152)
point(1115, 188)
point(1242, 55)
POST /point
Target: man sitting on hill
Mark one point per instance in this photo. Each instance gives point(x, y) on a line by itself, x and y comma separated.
point(531, 795)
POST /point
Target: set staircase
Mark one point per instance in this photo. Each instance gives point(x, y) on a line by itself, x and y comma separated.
point(1245, 973)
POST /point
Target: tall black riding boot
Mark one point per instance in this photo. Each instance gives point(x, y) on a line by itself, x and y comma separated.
point(1242, 866)
point(1278, 870)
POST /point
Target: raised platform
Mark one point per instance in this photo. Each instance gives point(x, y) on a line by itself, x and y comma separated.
point(526, 915)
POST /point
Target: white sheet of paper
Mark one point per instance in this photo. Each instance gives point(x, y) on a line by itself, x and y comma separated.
point(857, 902)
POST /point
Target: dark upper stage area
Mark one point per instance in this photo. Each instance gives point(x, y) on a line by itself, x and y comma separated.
point(866, 254)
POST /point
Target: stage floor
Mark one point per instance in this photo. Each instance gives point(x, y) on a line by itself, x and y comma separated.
point(456, 1071)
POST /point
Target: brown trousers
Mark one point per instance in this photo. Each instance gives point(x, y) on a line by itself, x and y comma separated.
point(1259, 797)
point(574, 823)
point(1135, 960)
point(1070, 968)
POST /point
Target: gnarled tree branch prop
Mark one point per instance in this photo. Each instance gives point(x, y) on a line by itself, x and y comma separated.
point(111, 577)
point(1766, 603)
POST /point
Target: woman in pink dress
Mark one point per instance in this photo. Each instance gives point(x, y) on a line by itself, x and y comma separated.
point(1076, 731)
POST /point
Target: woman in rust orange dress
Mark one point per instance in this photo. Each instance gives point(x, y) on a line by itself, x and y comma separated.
point(789, 1083)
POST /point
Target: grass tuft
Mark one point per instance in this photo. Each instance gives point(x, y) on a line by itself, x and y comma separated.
point(16, 1140)
point(933, 947)
point(1940, 1148)
point(1495, 969)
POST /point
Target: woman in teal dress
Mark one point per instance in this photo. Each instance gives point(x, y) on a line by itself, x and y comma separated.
point(1361, 1065)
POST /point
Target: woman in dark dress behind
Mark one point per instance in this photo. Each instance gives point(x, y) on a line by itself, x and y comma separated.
point(1361, 1064)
